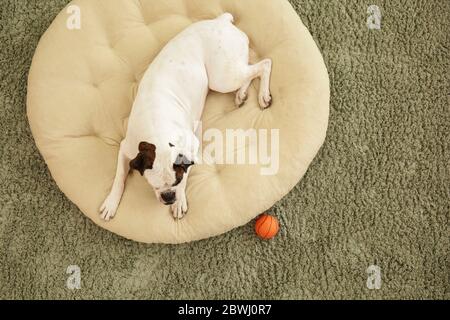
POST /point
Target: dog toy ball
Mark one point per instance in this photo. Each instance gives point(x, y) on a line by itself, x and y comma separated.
point(266, 226)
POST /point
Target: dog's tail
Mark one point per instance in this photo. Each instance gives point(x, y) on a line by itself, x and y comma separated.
point(226, 16)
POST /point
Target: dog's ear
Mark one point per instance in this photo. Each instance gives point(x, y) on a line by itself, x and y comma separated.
point(145, 146)
point(181, 162)
point(145, 158)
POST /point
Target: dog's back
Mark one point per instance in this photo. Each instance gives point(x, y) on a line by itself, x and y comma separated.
point(201, 57)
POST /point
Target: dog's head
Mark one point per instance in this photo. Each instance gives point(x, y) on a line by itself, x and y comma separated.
point(163, 167)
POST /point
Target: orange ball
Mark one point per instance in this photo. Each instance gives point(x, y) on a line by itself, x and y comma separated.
point(266, 226)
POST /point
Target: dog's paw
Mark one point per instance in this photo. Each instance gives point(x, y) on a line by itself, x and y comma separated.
point(108, 208)
point(179, 208)
point(241, 97)
point(265, 100)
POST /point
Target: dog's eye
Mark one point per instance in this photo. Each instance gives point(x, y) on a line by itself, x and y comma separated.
point(171, 145)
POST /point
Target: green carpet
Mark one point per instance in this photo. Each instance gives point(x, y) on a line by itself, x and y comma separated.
point(376, 194)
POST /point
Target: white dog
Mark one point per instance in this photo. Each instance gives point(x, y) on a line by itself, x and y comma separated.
point(160, 142)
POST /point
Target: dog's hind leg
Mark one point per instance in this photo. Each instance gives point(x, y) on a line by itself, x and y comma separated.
point(262, 70)
point(264, 96)
point(242, 93)
point(109, 207)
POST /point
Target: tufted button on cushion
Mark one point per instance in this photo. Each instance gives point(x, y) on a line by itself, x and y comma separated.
point(82, 84)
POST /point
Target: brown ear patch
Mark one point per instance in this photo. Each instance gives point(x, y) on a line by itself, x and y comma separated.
point(145, 158)
point(179, 172)
point(180, 166)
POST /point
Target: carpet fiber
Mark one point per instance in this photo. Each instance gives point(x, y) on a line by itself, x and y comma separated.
point(376, 194)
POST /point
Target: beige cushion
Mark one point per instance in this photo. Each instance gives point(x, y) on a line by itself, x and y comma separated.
point(82, 84)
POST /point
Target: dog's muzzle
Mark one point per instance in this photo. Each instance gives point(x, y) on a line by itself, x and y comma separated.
point(168, 197)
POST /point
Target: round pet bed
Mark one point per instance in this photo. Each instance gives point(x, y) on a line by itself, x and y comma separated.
point(83, 80)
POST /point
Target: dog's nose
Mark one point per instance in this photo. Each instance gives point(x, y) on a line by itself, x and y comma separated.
point(168, 197)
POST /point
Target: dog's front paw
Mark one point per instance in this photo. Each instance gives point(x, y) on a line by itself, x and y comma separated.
point(179, 208)
point(108, 208)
